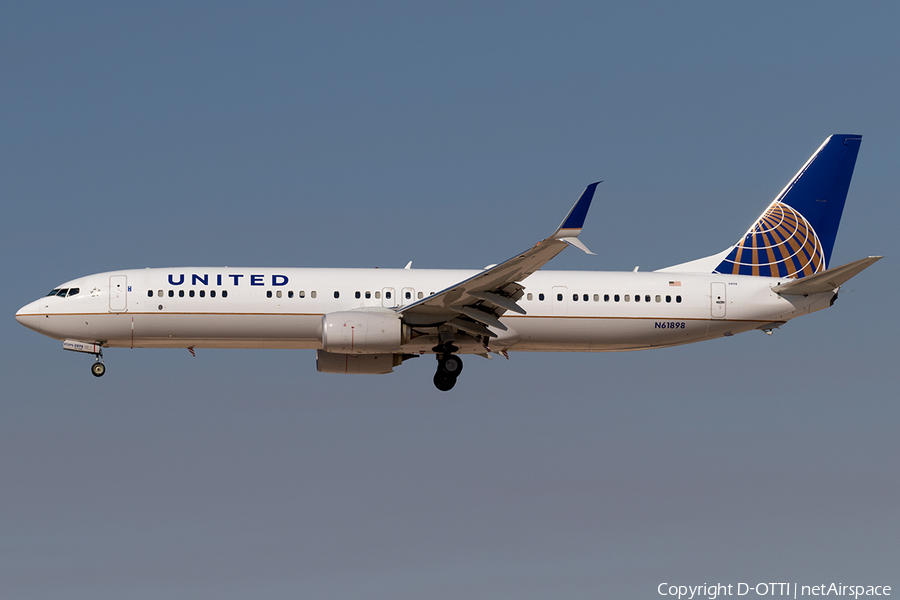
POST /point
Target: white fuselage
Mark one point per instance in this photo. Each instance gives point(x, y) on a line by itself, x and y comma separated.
point(567, 311)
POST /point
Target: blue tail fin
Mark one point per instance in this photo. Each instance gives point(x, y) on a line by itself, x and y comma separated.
point(795, 235)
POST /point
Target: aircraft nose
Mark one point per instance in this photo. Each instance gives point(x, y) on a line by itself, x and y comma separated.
point(30, 315)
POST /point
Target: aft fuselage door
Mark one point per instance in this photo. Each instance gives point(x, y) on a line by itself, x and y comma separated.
point(717, 300)
point(407, 296)
point(118, 286)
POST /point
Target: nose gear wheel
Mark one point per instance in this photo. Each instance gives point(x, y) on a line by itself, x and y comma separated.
point(98, 369)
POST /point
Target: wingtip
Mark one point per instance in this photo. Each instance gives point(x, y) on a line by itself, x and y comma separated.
point(575, 219)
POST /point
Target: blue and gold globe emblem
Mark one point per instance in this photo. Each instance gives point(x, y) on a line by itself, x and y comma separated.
point(780, 244)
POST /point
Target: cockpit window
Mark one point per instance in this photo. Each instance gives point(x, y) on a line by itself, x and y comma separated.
point(63, 292)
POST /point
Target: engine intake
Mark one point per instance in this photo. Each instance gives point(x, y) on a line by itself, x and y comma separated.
point(363, 332)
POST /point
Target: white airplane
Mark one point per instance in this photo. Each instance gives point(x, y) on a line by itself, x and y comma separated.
point(371, 320)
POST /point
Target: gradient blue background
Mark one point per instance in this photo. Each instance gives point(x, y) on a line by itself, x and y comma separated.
point(371, 134)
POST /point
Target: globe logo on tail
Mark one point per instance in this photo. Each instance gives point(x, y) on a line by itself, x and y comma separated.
point(781, 243)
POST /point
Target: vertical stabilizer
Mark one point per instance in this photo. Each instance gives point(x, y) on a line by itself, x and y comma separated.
point(794, 237)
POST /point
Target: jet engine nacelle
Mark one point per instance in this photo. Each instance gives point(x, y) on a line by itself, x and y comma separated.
point(363, 332)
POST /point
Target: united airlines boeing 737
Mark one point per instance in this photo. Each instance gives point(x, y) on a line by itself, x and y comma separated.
point(371, 320)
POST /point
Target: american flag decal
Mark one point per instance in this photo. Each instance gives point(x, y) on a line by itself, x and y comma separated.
point(674, 284)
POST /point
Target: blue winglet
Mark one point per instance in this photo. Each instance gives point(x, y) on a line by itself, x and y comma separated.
point(575, 219)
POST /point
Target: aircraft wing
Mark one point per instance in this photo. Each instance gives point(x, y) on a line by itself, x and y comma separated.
point(477, 302)
point(826, 281)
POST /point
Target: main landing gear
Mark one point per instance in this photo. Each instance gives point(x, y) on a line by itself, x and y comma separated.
point(449, 368)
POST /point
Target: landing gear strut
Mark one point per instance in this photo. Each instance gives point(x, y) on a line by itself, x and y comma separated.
point(98, 368)
point(449, 368)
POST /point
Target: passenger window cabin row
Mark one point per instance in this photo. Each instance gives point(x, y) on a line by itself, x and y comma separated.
point(269, 294)
point(408, 295)
point(190, 293)
point(607, 297)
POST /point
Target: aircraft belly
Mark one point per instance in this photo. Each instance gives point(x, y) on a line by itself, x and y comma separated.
point(166, 330)
point(603, 334)
point(218, 342)
point(228, 330)
point(425, 344)
point(552, 333)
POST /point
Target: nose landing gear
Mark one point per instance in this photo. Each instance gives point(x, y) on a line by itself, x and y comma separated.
point(98, 368)
point(95, 348)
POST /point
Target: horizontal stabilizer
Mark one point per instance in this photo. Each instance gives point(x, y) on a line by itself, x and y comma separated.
point(826, 281)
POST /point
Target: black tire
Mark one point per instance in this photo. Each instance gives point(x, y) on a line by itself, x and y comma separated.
point(452, 365)
point(444, 382)
point(98, 369)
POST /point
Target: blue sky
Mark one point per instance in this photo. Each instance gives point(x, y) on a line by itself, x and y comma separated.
point(360, 134)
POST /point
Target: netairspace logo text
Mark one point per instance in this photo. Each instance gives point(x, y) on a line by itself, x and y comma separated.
point(794, 590)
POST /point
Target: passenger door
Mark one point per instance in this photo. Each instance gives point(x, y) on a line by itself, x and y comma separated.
point(118, 286)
